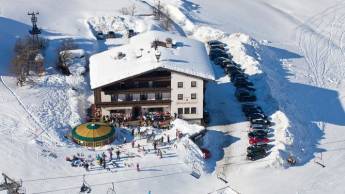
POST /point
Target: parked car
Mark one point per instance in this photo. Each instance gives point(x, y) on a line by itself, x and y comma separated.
point(258, 146)
point(249, 107)
point(256, 127)
point(215, 55)
point(245, 96)
point(249, 88)
point(256, 155)
point(258, 133)
point(261, 121)
point(258, 140)
point(221, 60)
point(215, 42)
point(242, 83)
point(100, 35)
point(253, 148)
point(111, 34)
point(218, 46)
point(255, 115)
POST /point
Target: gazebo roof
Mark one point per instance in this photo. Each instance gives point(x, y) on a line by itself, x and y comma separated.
point(93, 132)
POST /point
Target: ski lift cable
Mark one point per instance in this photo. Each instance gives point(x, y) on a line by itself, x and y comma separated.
point(94, 174)
point(107, 183)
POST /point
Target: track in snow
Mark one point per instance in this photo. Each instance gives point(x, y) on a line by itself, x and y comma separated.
point(320, 39)
point(35, 127)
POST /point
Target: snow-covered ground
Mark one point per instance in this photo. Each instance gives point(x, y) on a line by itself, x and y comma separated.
point(292, 50)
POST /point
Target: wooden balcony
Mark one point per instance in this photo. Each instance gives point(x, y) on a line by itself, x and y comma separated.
point(134, 103)
point(137, 90)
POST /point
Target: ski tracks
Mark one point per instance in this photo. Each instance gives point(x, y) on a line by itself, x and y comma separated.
point(320, 39)
point(38, 128)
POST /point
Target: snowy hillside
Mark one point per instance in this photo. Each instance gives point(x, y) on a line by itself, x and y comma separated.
point(293, 52)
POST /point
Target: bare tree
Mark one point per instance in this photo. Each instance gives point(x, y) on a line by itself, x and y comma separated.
point(133, 9)
point(65, 56)
point(124, 11)
point(23, 60)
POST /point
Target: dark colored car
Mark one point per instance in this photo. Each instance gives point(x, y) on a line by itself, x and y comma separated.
point(260, 121)
point(249, 88)
point(215, 55)
point(221, 60)
point(257, 133)
point(249, 107)
point(255, 148)
point(100, 35)
point(242, 82)
point(256, 127)
point(217, 46)
point(215, 42)
point(255, 115)
point(256, 155)
point(245, 96)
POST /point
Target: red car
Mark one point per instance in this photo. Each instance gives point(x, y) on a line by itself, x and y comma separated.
point(256, 140)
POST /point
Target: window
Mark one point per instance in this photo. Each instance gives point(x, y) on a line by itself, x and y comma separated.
point(193, 84)
point(180, 111)
point(180, 84)
point(129, 97)
point(180, 96)
point(186, 110)
point(193, 96)
point(158, 96)
point(193, 110)
point(114, 98)
point(143, 96)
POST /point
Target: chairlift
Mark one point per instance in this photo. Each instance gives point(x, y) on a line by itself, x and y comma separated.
point(85, 187)
point(196, 173)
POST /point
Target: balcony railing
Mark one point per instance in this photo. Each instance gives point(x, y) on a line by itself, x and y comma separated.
point(135, 103)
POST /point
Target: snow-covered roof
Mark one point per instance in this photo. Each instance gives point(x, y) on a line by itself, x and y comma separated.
point(188, 56)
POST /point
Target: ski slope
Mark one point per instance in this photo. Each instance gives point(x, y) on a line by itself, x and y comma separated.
point(293, 50)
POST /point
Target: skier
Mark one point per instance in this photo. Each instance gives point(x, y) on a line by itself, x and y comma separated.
point(133, 144)
point(168, 139)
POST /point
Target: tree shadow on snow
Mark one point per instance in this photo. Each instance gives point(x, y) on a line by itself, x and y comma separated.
point(10, 31)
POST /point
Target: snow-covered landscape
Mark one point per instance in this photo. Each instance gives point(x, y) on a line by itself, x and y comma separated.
point(292, 52)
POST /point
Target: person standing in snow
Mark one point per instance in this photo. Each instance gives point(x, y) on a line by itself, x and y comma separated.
point(168, 139)
point(133, 143)
point(138, 169)
point(118, 154)
point(155, 145)
point(110, 154)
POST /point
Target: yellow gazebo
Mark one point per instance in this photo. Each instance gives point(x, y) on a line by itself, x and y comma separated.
point(93, 134)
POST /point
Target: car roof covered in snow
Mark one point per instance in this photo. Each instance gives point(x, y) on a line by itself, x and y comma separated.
point(187, 56)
